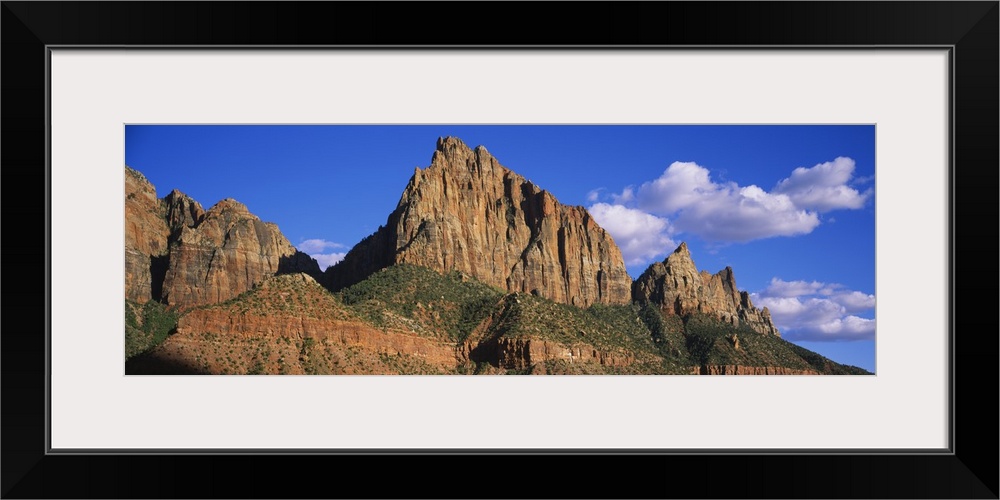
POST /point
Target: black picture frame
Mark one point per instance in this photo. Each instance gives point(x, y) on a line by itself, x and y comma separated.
point(970, 29)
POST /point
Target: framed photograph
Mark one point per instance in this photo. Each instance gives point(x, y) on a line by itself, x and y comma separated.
point(111, 94)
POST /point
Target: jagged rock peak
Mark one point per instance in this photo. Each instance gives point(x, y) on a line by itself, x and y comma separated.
point(677, 287)
point(469, 213)
point(182, 211)
point(184, 256)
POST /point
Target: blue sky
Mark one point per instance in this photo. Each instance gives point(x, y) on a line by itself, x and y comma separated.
point(790, 208)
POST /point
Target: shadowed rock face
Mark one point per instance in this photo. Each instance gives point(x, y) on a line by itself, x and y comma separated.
point(469, 213)
point(146, 234)
point(150, 225)
point(178, 253)
point(677, 288)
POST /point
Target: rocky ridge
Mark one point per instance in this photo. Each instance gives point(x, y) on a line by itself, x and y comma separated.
point(466, 212)
point(184, 256)
point(678, 288)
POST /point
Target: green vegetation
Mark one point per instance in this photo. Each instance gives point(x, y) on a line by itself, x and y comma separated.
point(503, 331)
point(824, 365)
point(146, 326)
point(287, 294)
point(711, 342)
point(610, 328)
point(422, 300)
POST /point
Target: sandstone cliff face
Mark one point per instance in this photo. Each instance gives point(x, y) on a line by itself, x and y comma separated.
point(677, 288)
point(227, 252)
point(469, 213)
point(527, 353)
point(178, 253)
point(146, 234)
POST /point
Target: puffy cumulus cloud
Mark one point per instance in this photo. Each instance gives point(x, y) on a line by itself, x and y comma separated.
point(782, 288)
point(626, 196)
point(318, 249)
point(641, 236)
point(682, 185)
point(722, 212)
point(744, 215)
point(317, 246)
point(812, 310)
point(823, 187)
point(326, 260)
point(855, 301)
point(729, 212)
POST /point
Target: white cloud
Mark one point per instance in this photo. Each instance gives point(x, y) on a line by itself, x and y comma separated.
point(855, 301)
point(315, 248)
point(682, 185)
point(823, 187)
point(812, 310)
point(728, 212)
point(640, 236)
point(782, 288)
point(328, 259)
point(862, 180)
point(722, 212)
point(628, 194)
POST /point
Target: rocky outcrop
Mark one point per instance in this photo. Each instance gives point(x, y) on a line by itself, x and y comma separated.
point(225, 253)
point(467, 212)
point(677, 288)
point(146, 235)
point(522, 353)
point(179, 254)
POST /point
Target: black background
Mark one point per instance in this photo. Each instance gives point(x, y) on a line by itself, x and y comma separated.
point(971, 472)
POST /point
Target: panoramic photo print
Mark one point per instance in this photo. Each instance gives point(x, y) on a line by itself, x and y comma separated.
point(499, 249)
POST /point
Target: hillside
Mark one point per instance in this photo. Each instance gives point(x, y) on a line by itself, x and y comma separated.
point(407, 319)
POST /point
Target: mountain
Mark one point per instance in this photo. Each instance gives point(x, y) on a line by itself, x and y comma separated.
point(180, 255)
point(477, 271)
point(677, 288)
point(466, 212)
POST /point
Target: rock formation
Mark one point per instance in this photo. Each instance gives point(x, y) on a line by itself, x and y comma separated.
point(467, 212)
point(226, 253)
point(677, 288)
point(179, 254)
point(146, 234)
